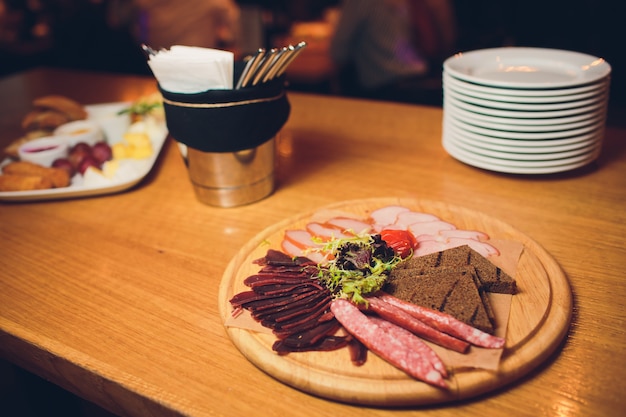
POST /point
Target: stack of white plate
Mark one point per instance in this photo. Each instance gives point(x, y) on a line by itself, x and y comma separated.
point(525, 110)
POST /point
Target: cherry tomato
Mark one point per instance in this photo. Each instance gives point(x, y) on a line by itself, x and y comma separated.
point(401, 241)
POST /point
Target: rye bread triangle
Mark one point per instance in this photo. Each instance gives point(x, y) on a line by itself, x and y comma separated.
point(492, 278)
point(452, 291)
point(408, 273)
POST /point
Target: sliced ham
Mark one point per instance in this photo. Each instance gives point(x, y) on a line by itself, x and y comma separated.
point(347, 224)
point(325, 232)
point(407, 218)
point(484, 248)
point(301, 238)
point(431, 243)
point(385, 216)
point(430, 228)
point(428, 246)
point(464, 234)
point(292, 249)
point(387, 342)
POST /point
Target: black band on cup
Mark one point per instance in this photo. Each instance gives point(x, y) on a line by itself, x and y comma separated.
point(227, 120)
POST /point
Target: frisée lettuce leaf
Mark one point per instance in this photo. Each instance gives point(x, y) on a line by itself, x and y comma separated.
point(360, 266)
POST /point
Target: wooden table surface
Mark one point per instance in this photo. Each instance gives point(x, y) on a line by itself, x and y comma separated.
point(115, 297)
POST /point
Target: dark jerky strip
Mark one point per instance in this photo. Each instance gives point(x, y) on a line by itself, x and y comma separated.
point(358, 351)
point(311, 336)
point(308, 270)
point(282, 289)
point(297, 325)
point(268, 306)
point(292, 282)
point(311, 312)
point(328, 343)
point(287, 308)
point(250, 299)
point(303, 327)
point(274, 257)
point(244, 297)
point(276, 278)
point(328, 315)
point(268, 302)
point(316, 305)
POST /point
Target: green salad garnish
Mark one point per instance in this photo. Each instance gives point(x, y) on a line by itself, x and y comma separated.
point(360, 266)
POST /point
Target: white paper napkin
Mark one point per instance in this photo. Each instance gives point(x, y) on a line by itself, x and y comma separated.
point(190, 69)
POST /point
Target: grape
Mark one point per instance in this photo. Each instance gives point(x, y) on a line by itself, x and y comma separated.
point(81, 147)
point(78, 153)
point(102, 152)
point(86, 162)
point(65, 164)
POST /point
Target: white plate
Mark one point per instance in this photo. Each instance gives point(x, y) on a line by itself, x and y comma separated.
point(594, 109)
point(601, 95)
point(512, 167)
point(518, 163)
point(521, 96)
point(550, 124)
point(526, 146)
point(522, 135)
point(504, 153)
point(488, 122)
point(137, 170)
point(527, 68)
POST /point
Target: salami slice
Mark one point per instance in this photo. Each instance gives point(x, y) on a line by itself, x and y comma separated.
point(446, 323)
point(393, 330)
point(405, 320)
point(387, 343)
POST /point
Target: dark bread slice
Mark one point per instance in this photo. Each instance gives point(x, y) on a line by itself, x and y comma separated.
point(455, 292)
point(492, 278)
point(407, 273)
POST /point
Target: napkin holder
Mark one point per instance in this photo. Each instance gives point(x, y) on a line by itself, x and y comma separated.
point(229, 139)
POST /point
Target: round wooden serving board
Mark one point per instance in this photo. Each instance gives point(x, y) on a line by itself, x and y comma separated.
point(538, 321)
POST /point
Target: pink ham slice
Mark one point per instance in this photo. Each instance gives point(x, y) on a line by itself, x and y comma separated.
point(407, 218)
point(430, 228)
point(386, 216)
point(427, 244)
point(389, 342)
point(326, 232)
point(350, 225)
point(299, 243)
point(464, 234)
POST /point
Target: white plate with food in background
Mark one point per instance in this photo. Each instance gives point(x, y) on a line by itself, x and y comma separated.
point(128, 171)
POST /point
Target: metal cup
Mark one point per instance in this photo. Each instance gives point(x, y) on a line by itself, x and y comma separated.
point(229, 179)
point(227, 139)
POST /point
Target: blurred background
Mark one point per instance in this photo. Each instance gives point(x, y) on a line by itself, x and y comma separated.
point(105, 35)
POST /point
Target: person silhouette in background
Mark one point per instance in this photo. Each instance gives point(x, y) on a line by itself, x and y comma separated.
point(203, 23)
point(393, 49)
